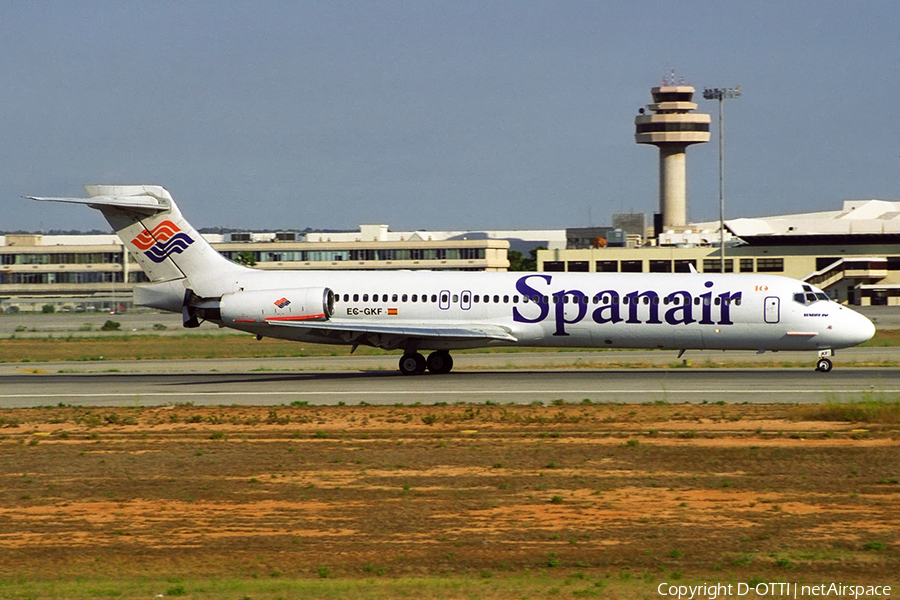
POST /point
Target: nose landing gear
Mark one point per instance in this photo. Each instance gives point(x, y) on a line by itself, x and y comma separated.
point(824, 365)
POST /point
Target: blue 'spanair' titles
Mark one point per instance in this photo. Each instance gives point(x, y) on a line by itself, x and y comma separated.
point(675, 308)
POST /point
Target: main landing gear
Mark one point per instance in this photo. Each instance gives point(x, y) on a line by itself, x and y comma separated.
point(823, 365)
point(439, 362)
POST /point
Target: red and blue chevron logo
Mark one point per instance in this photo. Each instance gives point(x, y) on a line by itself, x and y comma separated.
point(282, 302)
point(165, 239)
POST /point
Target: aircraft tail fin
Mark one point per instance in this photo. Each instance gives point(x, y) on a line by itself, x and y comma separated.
point(163, 243)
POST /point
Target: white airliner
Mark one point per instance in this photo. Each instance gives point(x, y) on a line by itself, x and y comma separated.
point(416, 311)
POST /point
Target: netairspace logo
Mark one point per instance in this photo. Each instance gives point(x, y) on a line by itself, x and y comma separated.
point(772, 590)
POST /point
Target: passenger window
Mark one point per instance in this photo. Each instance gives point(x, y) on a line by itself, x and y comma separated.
point(403, 299)
point(505, 299)
point(455, 298)
point(475, 298)
point(737, 301)
point(718, 301)
point(465, 297)
point(394, 298)
point(515, 299)
point(646, 300)
point(365, 297)
point(356, 297)
point(697, 300)
point(384, 298)
point(496, 299)
point(415, 298)
point(434, 298)
point(655, 300)
point(346, 297)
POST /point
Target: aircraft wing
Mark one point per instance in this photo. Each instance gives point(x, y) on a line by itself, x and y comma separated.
point(367, 333)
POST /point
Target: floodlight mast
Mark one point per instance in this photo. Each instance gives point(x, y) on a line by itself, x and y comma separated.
point(721, 94)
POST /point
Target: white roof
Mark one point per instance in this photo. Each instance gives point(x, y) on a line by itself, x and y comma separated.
point(855, 217)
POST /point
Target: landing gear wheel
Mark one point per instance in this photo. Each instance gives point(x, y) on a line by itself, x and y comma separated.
point(412, 364)
point(440, 362)
point(824, 365)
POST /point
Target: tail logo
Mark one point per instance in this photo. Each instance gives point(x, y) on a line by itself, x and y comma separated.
point(165, 239)
point(282, 302)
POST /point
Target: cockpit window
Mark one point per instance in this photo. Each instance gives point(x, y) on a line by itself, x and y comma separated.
point(810, 295)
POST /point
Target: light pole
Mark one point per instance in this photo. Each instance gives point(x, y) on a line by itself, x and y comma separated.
point(721, 94)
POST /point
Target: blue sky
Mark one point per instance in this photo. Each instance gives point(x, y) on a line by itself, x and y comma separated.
point(438, 115)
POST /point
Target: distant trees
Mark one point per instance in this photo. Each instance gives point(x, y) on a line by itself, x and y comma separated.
point(245, 258)
point(518, 262)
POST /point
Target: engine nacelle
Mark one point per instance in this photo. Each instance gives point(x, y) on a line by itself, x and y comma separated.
point(260, 306)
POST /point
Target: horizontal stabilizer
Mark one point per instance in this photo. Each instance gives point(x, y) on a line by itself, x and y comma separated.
point(474, 332)
point(142, 204)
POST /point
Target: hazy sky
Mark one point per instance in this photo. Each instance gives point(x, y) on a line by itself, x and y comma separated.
point(438, 115)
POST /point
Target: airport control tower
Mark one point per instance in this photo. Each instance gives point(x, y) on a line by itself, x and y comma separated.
point(672, 126)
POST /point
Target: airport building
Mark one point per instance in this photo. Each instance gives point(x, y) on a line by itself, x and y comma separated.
point(853, 253)
point(94, 272)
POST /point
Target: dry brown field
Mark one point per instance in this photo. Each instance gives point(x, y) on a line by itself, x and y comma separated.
point(459, 501)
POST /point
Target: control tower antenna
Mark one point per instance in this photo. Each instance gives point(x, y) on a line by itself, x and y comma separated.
point(672, 126)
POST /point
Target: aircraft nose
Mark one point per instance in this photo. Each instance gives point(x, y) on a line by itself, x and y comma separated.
point(859, 328)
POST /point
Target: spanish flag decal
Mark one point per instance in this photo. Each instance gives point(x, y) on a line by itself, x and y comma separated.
point(392, 311)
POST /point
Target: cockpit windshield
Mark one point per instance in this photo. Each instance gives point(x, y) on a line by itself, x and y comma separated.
point(810, 295)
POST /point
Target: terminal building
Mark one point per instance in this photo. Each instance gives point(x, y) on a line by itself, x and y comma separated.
point(87, 273)
point(853, 254)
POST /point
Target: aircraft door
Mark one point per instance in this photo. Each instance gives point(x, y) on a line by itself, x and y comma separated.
point(444, 300)
point(465, 300)
point(773, 309)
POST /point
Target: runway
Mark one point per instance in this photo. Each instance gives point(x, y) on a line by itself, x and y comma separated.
point(28, 389)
